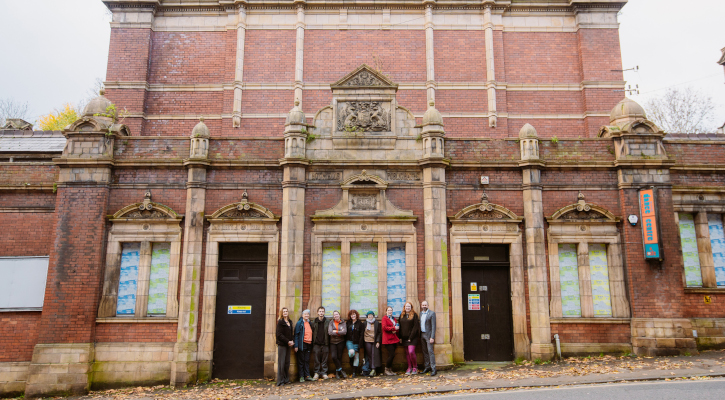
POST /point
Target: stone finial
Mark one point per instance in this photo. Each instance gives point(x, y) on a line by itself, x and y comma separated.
point(626, 111)
point(244, 203)
point(485, 205)
point(201, 130)
point(98, 107)
point(146, 206)
point(16, 124)
point(528, 132)
point(581, 204)
point(296, 116)
point(432, 116)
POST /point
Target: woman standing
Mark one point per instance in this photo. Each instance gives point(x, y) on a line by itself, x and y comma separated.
point(303, 345)
point(372, 337)
point(410, 335)
point(390, 339)
point(354, 339)
point(337, 331)
point(285, 341)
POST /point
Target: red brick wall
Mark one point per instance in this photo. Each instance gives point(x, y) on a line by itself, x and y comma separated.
point(541, 57)
point(269, 55)
point(473, 101)
point(131, 148)
point(188, 57)
point(128, 54)
point(26, 234)
point(75, 272)
point(460, 56)
point(696, 153)
point(151, 332)
point(592, 333)
point(40, 173)
point(315, 199)
point(268, 102)
point(482, 150)
point(689, 178)
point(554, 200)
point(402, 53)
point(554, 102)
point(600, 57)
point(174, 198)
point(236, 149)
point(18, 335)
point(176, 103)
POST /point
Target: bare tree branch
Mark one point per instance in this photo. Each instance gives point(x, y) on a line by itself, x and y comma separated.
point(682, 111)
point(10, 108)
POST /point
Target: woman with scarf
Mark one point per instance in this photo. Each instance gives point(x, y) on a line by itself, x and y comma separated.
point(372, 338)
point(410, 335)
point(337, 331)
point(353, 339)
point(390, 338)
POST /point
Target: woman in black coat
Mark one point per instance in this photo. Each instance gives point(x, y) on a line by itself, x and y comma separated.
point(372, 338)
point(409, 336)
point(285, 341)
point(353, 339)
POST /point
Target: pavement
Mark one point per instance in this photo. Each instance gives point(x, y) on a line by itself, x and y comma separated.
point(465, 378)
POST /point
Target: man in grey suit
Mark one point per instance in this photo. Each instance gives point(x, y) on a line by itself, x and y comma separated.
point(427, 337)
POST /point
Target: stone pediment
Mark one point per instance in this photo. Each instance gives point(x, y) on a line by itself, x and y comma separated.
point(364, 77)
point(582, 211)
point(146, 210)
point(243, 210)
point(485, 211)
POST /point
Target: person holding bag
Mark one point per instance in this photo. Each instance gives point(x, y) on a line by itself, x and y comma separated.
point(354, 339)
point(410, 335)
point(390, 338)
point(337, 330)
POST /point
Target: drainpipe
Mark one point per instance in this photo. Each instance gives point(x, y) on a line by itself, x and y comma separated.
point(558, 346)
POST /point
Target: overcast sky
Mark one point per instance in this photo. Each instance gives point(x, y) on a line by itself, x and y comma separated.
point(53, 50)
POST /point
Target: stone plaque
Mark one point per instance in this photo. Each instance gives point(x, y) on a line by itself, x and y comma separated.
point(363, 116)
point(403, 175)
point(364, 202)
point(325, 176)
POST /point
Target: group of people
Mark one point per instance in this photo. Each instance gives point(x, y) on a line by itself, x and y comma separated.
point(322, 337)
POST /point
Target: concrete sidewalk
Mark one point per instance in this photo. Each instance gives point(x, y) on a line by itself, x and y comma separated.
point(466, 377)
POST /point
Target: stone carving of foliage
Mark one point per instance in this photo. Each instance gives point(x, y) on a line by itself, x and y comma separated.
point(367, 116)
point(364, 78)
point(146, 214)
point(575, 214)
point(236, 213)
point(485, 215)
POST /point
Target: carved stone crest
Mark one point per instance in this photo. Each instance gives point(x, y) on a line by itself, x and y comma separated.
point(364, 202)
point(478, 214)
point(366, 116)
point(364, 78)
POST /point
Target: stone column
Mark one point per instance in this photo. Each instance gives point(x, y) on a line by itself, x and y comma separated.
point(531, 165)
point(437, 285)
point(185, 368)
point(490, 67)
point(300, 48)
point(704, 247)
point(239, 70)
point(430, 83)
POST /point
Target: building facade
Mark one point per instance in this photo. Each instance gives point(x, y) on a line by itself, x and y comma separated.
point(479, 156)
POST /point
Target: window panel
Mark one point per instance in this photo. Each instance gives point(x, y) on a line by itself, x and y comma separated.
point(159, 278)
point(569, 278)
point(690, 254)
point(717, 240)
point(22, 282)
point(128, 282)
point(364, 277)
point(600, 280)
point(331, 276)
point(396, 277)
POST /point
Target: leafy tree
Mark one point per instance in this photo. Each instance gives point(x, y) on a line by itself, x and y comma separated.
point(10, 108)
point(682, 111)
point(59, 119)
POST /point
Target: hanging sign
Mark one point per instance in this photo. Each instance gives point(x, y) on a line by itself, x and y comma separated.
point(650, 228)
point(239, 309)
point(474, 302)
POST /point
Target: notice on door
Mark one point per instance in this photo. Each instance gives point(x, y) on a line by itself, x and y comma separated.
point(239, 309)
point(474, 302)
point(474, 287)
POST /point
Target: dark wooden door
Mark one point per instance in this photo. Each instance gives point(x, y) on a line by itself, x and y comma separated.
point(487, 318)
point(240, 308)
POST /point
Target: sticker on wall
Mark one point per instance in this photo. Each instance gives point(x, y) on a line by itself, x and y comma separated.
point(717, 240)
point(569, 280)
point(128, 281)
point(331, 277)
point(364, 277)
point(159, 278)
point(247, 310)
point(396, 277)
point(690, 254)
point(474, 302)
point(599, 270)
point(474, 286)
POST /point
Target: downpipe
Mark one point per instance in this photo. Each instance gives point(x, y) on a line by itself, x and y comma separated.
point(558, 346)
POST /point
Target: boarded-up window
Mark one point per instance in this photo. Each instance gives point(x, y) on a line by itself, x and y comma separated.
point(396, 277)
point(569, 279)
point(331, 276)
point(599, 269)
point(128, 281)
point(690, 254)
point(159, 278)
point(364, 277)
point(22, 283)
point(717, 240)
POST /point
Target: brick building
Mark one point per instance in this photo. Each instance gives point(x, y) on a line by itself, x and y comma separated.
point(480, 156)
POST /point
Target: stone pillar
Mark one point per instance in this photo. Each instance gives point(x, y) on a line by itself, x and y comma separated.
point(239, 70)
point(437, 285)
point(704, 247)
point(300, 48)
point(490, 67)
point(541, 346)
point(430, 83)
point(185, 368)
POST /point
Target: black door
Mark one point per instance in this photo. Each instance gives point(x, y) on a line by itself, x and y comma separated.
point(240, 309)
point(487, 319)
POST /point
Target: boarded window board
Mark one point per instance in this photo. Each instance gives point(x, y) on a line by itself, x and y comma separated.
point(22, 283)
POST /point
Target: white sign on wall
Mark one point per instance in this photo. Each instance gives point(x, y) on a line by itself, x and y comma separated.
point(22, 282)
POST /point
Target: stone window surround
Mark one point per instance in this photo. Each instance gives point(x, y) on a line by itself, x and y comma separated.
point(366, 230)
point(582, 233)
point(145, 231)
point(699, 205)
point(499, 231)
point(240, 230)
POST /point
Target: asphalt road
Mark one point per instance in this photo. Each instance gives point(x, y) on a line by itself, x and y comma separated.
point(673, 390)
